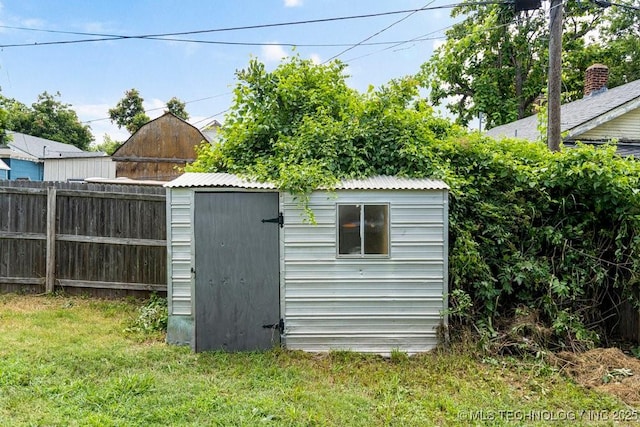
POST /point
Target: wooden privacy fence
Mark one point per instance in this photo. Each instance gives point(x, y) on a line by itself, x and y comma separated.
point(79, 235)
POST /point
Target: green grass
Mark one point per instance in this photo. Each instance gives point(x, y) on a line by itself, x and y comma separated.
point(68, 361)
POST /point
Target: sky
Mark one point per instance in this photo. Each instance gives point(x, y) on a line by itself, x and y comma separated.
point(92, 76)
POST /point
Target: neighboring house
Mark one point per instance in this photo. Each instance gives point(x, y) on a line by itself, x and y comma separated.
point(158, 150)
point(4, 170)
point(211, 130)
point(39, 159)
point(601, 116)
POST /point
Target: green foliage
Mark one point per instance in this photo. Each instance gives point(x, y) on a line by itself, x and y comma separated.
point(108, 145)
point(178, 108)
point(129, 112)
point(47, 118)
point(494, 61)
point(556, 233)
point(152, 316)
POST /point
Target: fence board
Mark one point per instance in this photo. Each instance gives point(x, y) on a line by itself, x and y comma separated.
point(102, 236)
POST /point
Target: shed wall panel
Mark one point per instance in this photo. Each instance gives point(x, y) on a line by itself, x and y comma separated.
point(79, 168)
point(180, 248)
point(365, 304)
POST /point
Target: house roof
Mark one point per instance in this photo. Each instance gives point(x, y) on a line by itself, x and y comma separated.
point(218, 180)
point(4, 167)
point(579, 116)
point(35, 148)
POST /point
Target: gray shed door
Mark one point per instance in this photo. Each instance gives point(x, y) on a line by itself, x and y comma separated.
point(237, 290)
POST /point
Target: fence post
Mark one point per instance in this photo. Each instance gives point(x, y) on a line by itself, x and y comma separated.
point(50, 279)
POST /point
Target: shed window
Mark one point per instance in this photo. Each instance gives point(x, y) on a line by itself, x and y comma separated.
point(363, 230)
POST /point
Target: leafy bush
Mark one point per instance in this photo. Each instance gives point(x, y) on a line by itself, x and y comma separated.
point(555, 233)
point(152, 316)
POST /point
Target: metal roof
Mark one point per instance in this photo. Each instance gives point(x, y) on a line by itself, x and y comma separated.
point(41, 148)
point(218, 180)
point(576, 113)
point(193, 179)
point(392, 183)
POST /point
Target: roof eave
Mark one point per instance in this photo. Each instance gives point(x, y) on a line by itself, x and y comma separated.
point(602, 119)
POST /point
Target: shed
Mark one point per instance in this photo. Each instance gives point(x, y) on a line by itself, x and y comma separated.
point(247, 270)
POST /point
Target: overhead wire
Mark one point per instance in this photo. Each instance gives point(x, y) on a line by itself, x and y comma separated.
point(164, 36)
point(378, 32)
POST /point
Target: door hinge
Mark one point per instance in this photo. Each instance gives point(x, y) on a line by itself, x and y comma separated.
point(279, 326)
point(278, 220)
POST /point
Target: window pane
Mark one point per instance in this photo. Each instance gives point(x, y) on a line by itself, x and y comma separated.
point(349, 229)
point(376, 229)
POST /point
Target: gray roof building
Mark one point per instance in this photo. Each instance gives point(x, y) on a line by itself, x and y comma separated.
point(601, 116)
point(41, 148)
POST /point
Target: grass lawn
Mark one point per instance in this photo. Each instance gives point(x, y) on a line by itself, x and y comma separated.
point(68, 361)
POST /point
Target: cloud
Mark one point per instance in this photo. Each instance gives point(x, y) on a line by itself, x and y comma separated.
point(96, 116)
point(33, 23)
point(438, 43)
point(97, 27)
point(315, 58)
point(154, 107)
point(273, 53)
point(292, 3)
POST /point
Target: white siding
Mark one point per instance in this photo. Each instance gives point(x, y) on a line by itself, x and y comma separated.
point(625, 127)
point(372, 304)
point(180, 249)
point(79, 168)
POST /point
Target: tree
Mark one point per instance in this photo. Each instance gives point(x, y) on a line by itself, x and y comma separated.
point(129, 112)
point(177, 107)
point(302, 126)
point(495, 61)
point(554, 235)
point(47, 118)
point(108, 145)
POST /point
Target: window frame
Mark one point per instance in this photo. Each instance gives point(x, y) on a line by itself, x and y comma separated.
point(362, 254)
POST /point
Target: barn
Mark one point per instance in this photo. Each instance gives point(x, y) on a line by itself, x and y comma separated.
point(248, 269)
point(158, 150)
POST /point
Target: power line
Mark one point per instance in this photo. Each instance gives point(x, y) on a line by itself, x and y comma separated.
point(163, 36)
point(377, 33)
point(164, 106)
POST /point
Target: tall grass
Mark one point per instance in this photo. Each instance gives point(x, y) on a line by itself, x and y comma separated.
point(71, 361)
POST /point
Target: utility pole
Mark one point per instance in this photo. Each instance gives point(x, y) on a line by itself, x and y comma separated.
point(554, 85)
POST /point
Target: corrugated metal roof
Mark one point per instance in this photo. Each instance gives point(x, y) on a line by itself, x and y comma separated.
point(391, 183)
point(192, 179)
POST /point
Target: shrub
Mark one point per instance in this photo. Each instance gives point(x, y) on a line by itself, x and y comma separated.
point(152, 316)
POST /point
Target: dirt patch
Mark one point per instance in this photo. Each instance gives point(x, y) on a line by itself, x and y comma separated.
point(607, 370)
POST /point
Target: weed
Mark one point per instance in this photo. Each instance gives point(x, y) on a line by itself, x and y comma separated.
point(152, 316)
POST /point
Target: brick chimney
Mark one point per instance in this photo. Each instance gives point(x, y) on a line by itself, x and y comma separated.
point(595, 79)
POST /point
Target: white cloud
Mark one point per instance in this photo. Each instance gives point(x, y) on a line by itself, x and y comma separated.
point(273, 53)
point(315, 58)
point(96, 116)
point(292, 3)
point(154, 107)
point(33, 23)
